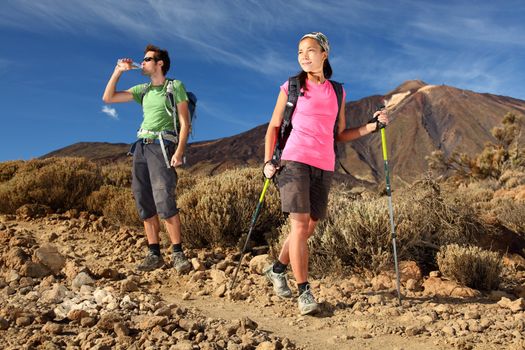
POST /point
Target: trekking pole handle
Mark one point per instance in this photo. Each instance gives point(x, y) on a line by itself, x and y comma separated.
point(379, 125)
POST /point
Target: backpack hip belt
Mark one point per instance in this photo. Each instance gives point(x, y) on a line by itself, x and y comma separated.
point(167, 135)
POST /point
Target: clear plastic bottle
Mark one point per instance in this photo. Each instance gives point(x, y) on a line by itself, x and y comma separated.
point(129, 65)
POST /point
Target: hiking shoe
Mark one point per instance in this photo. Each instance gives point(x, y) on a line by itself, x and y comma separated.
point(180, 262)
point(307, 303)
point(151, 262)
point(280, 285)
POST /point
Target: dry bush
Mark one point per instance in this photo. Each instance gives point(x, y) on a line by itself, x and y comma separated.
point(186, 181)
point(117, 174)
point(60, 183)
point(8, 169)
point(512, 178)
point(493, 160)
point(442, 217)
point(116, 204)
point(470, 266)
point(355, 235)
point(476, 192)
point(511, 214)
point(218, 210)
point(356, 232)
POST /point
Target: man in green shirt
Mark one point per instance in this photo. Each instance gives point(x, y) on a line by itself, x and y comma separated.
point(159, 149)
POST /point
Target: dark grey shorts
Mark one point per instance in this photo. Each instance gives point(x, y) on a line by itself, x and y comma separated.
point(304, 188)
point(153, 184)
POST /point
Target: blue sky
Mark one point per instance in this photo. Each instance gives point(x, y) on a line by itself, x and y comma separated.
point(56, 58)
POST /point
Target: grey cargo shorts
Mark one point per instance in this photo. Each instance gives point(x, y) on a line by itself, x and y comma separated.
point(153, 184)
point(304, 188)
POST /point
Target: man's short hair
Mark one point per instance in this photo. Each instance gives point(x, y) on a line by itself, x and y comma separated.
point(160, 55)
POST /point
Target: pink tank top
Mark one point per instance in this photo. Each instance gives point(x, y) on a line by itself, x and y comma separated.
point(312, 138)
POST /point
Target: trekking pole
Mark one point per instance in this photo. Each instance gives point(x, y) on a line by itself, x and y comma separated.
point(252, 225)
point(390, 209)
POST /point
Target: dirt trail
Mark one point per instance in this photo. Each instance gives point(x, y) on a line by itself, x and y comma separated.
point(355, 318)
point(320, 332)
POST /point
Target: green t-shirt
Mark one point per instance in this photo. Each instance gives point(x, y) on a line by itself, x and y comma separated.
point(154, 105)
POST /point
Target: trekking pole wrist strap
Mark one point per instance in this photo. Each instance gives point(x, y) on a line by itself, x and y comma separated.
point(272, 161)
point(379, 125)
point(374, 119)
point(275, 162)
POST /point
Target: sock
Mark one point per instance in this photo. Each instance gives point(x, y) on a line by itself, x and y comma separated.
point(303, 287)
point(279, 267)
point(154, 248)
point(177, 247)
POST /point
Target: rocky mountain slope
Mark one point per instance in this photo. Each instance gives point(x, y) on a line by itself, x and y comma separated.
point(424, 117)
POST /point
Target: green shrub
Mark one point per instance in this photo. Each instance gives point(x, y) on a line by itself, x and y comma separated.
point(470, 266)
point(60, 183)
point(218, 210)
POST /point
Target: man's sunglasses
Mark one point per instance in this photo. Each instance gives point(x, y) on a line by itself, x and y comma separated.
point(147, 59)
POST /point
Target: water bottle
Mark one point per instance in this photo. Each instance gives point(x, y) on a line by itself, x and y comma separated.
point(129, 65)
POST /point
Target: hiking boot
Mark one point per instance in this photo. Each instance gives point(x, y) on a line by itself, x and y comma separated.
point(180, 262)
point(307, 303)
point(280, 285)
point(151, 262)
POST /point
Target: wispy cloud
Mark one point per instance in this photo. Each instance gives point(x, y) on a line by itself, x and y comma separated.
point(451, 41)
point(461, 23)
point(248, 34)
point(478, 48)
point(111, 112)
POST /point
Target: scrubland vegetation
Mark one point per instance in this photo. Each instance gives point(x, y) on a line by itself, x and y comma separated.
point(446, 224)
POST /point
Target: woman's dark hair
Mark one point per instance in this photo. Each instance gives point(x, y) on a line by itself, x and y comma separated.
point(327, 71)
point(160, 55)
point(302, 75)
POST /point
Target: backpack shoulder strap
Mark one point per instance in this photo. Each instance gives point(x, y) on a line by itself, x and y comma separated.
point(172, 110)
point(338, 88)
point(294, 87)
point(144, 89)
point(169, 94)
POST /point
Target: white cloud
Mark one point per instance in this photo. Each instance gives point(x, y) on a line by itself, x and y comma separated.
point(461, 23)
point(111, 112)
point(249, 34)
point(381, 42)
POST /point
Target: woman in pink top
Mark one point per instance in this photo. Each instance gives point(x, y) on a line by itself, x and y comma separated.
point(307, 162)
